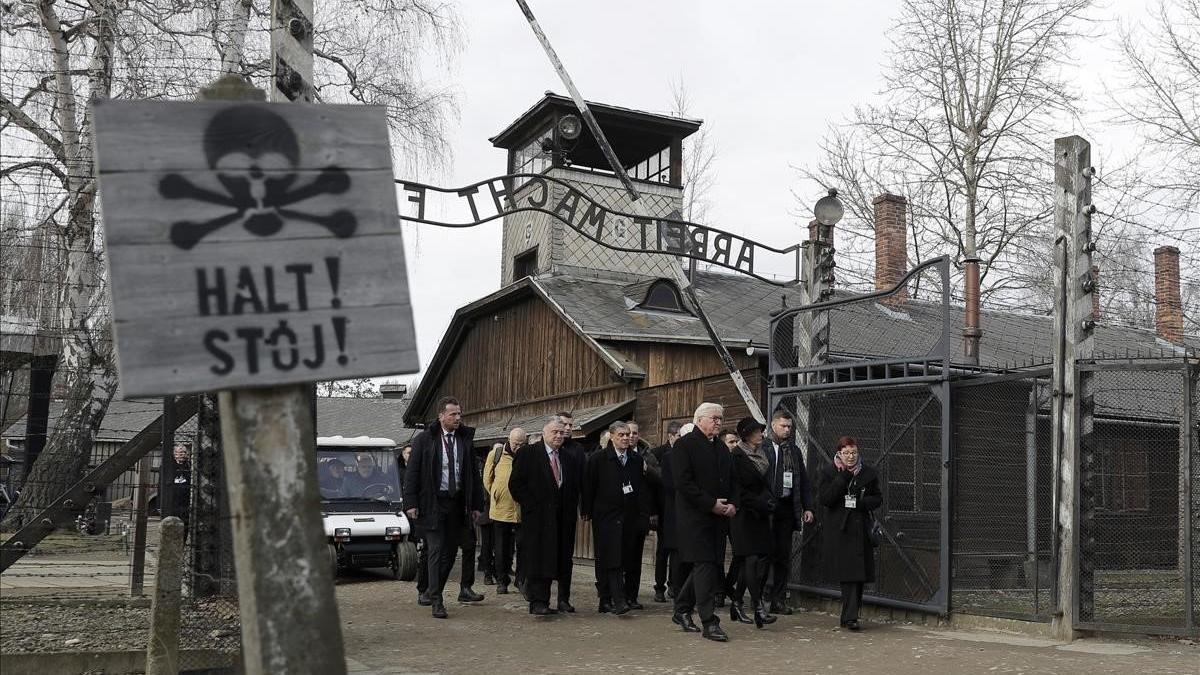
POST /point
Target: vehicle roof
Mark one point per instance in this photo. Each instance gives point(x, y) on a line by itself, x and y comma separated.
point(354, 441)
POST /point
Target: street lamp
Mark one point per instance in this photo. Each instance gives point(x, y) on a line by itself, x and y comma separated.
point(828, 210)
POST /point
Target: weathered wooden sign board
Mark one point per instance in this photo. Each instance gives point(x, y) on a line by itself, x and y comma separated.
point(251, 244)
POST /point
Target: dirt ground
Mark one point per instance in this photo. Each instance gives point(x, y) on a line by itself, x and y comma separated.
point(386, 632)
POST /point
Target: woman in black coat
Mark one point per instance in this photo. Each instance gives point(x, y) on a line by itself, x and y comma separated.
point(849, 492)
point(750, 530)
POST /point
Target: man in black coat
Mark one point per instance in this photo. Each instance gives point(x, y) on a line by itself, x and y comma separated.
point(545, 482)
point(703, 484)
point(664, 545)
point(574, 453)
point(616, 502)
point(444, 492)
point(793, 502)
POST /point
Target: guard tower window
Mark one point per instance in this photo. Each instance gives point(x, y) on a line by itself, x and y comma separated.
point(656, 168)
point(663, 296)
point(532, 157)
point(525, 264)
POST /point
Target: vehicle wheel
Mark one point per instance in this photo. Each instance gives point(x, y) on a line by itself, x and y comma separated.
point(333, 559)
point(404, 564)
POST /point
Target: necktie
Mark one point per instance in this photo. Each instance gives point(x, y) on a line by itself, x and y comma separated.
point(622, 458)
point(555, 468)
point(451, 487)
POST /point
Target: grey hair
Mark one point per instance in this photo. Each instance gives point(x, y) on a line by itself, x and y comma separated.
point(707, 409)
point(686, 429)
point(612, 428)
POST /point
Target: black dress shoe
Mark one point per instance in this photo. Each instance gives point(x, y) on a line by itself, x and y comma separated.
point(439, 610)
point(780, 608)
point(685, 622)
point(621, 607)
point(468, 595)
point(660, 596)
point(566, 607)
point(502, 589)
point(541, 610)
point(424, 600)
point(634, 604)
point(713, 632)
point(489, 580)
point(853, 625)
point(761, 617)
point(605, 607)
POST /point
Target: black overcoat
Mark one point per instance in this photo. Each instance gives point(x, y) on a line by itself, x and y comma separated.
point(423, 475)
point(616, 517)
point(666, 519)
point(548, 512)
point(702, 476)
point(846, 551)
point(750, 531)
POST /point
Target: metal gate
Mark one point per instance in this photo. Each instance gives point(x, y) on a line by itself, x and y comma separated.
point(898, 408)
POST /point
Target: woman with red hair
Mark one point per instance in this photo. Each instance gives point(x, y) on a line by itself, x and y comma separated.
point(849, 491)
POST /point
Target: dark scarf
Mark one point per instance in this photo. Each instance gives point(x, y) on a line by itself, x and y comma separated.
point(757, 456)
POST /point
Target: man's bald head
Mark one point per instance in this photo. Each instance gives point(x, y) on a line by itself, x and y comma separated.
point(517, 438)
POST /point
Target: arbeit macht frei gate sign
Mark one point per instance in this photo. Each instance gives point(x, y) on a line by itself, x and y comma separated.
point(251, 244)
point(496, 197)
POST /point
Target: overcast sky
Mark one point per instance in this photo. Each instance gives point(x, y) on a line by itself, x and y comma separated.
point(767, 77)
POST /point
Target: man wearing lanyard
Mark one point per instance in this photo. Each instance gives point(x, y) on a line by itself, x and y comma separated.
point(443, 490)
point(616, 503)
point(789, 481)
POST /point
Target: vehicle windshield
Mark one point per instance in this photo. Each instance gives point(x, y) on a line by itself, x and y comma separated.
point(358, 473)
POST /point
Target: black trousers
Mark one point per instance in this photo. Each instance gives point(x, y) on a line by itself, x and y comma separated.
point(566, 555)
point(503, 536)
point(610, 584)
point(442, 542)
point(487, 554)
point(753, 577)
point(782, 527)
point(538, 591)
point(662, 565)
point(699, 592)
point(631, 563)
point(852, 592)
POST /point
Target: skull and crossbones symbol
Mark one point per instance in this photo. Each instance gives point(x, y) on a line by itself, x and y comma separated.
point(255, 153)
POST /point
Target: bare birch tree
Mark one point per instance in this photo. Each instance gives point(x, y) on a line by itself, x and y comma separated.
point(60, 55)
point(961, 130)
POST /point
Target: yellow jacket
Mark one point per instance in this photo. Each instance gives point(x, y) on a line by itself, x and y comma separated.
point(495, 480)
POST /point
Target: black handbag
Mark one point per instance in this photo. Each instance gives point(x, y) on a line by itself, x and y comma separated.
point(875, 532)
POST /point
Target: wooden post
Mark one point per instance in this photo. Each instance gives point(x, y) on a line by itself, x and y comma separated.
point(285, 587)
point(140, 500)
point(1072, 394)
point(162, 648)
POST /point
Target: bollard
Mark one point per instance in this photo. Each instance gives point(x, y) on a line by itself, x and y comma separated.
point(162, 649)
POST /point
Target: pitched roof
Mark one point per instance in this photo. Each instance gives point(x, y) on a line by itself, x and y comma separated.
point(587, 420)
point(380, 417)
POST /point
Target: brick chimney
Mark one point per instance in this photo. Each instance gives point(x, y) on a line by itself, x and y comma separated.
point(1168, 307)
point(819, 232)
point(891, 245)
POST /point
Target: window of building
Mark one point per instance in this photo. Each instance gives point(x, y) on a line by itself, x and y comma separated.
point(1122, 476)
point(525, 264)
point(531, 157)
point(663, 297)
point(656, 168)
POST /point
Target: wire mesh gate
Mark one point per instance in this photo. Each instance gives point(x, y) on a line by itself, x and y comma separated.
point(897, 406)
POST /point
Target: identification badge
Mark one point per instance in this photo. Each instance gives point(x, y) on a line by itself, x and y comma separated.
point(851, 501)
point(787, 479)
point(627, 489)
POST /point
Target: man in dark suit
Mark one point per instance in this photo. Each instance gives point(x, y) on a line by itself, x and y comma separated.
point(664, 541)
point(793, 502)
point(444, 492)
point(616, 502)
point(545, 482)
point(574, 453)
point(702, 488)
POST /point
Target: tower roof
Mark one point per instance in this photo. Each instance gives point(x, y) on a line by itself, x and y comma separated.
point(633, 134)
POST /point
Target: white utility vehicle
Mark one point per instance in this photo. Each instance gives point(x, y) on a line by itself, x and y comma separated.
point(361, 506)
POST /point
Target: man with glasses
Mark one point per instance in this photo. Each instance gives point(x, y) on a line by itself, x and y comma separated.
point(703, 480)
point(616, 502)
